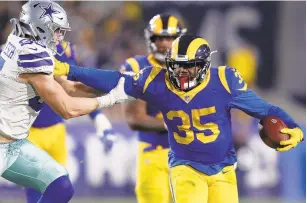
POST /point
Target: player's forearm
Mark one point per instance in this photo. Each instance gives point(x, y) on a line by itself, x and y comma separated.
point(283, 115)
point(252, 104)
point(81, 90)
point(76, 89)
point(146, 123)
point(77, 107)
point(102, 80)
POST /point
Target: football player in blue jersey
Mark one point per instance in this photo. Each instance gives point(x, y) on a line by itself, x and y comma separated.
point(26, 80)
point(152, 178)
point(195, 100)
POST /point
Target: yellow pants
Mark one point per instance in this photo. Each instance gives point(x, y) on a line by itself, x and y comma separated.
point(51, 139)
point(152, 181)
point(191, 186)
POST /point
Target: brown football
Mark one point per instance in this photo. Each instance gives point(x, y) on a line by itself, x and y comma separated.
point(270, 132)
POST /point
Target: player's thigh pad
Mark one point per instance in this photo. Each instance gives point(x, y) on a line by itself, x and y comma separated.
point(188, 185)
point(152, 181)
point(29, 166)
point(223, 186)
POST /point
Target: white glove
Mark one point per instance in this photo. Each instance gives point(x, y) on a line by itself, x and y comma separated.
point(115, 96)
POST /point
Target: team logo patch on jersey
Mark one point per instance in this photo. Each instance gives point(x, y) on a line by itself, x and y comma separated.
point(136, 76)
point(187, 98)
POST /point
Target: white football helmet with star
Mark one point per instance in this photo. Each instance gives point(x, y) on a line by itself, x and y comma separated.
point(40, 19)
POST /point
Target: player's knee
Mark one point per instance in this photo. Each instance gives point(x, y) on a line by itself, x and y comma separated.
point(67, 187)
point(62, 188)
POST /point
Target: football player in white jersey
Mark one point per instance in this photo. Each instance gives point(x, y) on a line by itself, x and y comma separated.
point(26, 79)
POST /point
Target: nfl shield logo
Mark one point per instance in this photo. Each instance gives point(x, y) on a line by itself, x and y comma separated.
point(187, 98)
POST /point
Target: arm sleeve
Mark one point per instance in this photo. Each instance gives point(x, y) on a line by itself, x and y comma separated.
point(106, 80)
point(252, 104)
point(33, 59)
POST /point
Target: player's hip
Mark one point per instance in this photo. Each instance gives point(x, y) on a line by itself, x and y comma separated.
point(211, 168)
point(150, 155)
point(227, 174)
point(49, 136)
point(53, 129)
point(17, 156)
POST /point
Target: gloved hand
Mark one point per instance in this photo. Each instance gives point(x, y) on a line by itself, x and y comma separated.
point(115, 96)
point(105, 131)
point(118, 93)
point(296, 136)
point(60, 68)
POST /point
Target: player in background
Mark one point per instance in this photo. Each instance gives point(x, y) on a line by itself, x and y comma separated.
point(26, 79)
point(152, 175)
point(195, 100)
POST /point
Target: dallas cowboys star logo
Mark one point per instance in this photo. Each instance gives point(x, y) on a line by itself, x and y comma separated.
point(48, 11)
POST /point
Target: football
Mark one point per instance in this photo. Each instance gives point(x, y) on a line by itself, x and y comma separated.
point(270, 132)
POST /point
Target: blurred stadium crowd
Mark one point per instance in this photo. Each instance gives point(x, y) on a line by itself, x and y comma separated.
point(107, 33)
point(97, 29)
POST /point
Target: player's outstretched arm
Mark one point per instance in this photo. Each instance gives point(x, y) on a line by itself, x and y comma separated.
point(55, 96)
point(102, 80)
point(77, 89)
point(252, 104)
point(255, 106)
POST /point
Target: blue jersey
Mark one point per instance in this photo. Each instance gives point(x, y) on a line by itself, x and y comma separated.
point(135, 64)
point(198, 121)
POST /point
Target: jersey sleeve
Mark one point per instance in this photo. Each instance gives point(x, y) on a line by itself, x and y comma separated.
point(135, 88)
point(248, 101)
point(130, 65)
point(236, 84)
point(106, 80)
point(33, 58)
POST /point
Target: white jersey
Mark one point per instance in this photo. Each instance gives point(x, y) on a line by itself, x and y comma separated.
point(19, 102)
